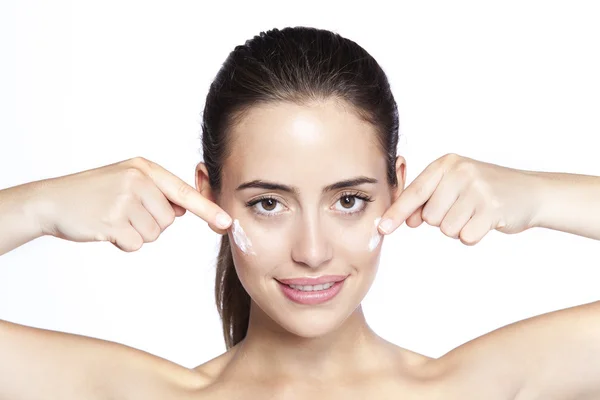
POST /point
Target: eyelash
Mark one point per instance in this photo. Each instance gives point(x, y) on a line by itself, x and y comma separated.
point(367, 199)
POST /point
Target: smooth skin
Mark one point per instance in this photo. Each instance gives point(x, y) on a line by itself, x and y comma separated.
point(552, 356)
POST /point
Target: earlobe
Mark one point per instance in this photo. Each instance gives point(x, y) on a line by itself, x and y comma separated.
point(202, 182)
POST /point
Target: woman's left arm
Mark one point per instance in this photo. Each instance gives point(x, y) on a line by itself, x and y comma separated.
point(570, 203)
point(551, 356)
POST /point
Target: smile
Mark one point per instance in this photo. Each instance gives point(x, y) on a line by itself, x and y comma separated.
point(311, 291)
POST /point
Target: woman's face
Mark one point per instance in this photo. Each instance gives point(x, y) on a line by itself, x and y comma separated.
point(305, 185)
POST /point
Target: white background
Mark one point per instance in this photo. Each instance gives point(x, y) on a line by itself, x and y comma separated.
point(84, 84)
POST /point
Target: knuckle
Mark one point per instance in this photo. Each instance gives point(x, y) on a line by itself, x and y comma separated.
point(495, 204)
point(425, 217)
point(171, 215)
point(127, 245)
point(149, 238)
point(155, 232)
point(468, 169)
point(451, 158)
point(468, 238)
point(114, 215)
point(183, 191)
point(448, 229)
point(133, 247)
point(430, 216)
point(125, 248)
point(164, 223)
point(132, 184)
point(148, 232)
point(485, 193)
point(429, 219)
point(419, 189)
point(168, 219)
point(135, 244)
point(140, 162)
point(132, 174)
point(165, 220)
point(131, 179)
point(425, 214)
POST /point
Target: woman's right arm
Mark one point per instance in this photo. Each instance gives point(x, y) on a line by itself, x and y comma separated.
point(127, 204)
point(43, 364)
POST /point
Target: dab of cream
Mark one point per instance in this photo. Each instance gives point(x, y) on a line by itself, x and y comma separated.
point(376, 237)
point(241, 239)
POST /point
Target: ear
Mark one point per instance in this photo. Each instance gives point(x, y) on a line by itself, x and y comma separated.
point(202, 182)
point(400, 175)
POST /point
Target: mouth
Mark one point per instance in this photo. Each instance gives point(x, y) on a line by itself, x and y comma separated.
point(311, 291)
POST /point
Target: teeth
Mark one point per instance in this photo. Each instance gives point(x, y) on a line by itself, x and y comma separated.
point(312, 288)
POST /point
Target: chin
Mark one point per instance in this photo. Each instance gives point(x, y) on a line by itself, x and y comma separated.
point(303, 321)
point(310, 327)
point(312, 321)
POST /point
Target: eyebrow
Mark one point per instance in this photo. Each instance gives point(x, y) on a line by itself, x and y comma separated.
point(261, 184)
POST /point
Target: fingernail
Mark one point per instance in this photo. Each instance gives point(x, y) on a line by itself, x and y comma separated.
point(223, 220)
point(386, 225)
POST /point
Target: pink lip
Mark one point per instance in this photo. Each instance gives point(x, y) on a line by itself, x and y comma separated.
point(313, 281)
point(313, 297)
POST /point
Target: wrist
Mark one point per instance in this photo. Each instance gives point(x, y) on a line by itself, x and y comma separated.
point(566, 202)
point(546, 197)
point(35, 210)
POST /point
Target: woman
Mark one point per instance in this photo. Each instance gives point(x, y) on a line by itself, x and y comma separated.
point(301, 177)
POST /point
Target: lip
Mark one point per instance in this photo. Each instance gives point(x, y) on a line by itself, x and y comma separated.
point(313, 280)
point(312, 297)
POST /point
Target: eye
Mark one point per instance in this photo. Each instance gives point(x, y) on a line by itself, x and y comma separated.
point(352, 203)
point(267, 206)
point(348, 201)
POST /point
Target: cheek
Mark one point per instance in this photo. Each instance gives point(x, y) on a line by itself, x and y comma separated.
point(358, 237)
point(257, 250)
point(359, 246)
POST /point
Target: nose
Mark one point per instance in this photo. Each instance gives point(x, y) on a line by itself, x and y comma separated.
point(312, 247)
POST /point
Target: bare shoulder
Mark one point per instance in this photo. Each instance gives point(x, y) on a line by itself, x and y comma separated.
point(514, 361)
point(71, 366)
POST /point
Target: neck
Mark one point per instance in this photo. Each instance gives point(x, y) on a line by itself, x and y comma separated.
point(268, 349)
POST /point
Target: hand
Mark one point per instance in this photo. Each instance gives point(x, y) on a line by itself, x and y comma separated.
point(466, 199)
point(127, 203)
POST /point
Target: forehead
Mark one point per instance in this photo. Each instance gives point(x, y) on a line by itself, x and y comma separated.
point(318, 143)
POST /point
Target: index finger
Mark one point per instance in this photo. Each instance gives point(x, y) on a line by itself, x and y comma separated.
point(413, 197)
point(182, 194)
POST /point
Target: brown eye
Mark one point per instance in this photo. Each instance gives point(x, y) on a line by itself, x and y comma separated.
point(268, 204)
point(348, 201)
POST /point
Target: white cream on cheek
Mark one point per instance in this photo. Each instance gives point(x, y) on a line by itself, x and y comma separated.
point(375, 236)
point(241, 239)
point(244, 243)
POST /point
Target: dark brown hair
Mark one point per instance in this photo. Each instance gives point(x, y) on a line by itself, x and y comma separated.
point(292, 65)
